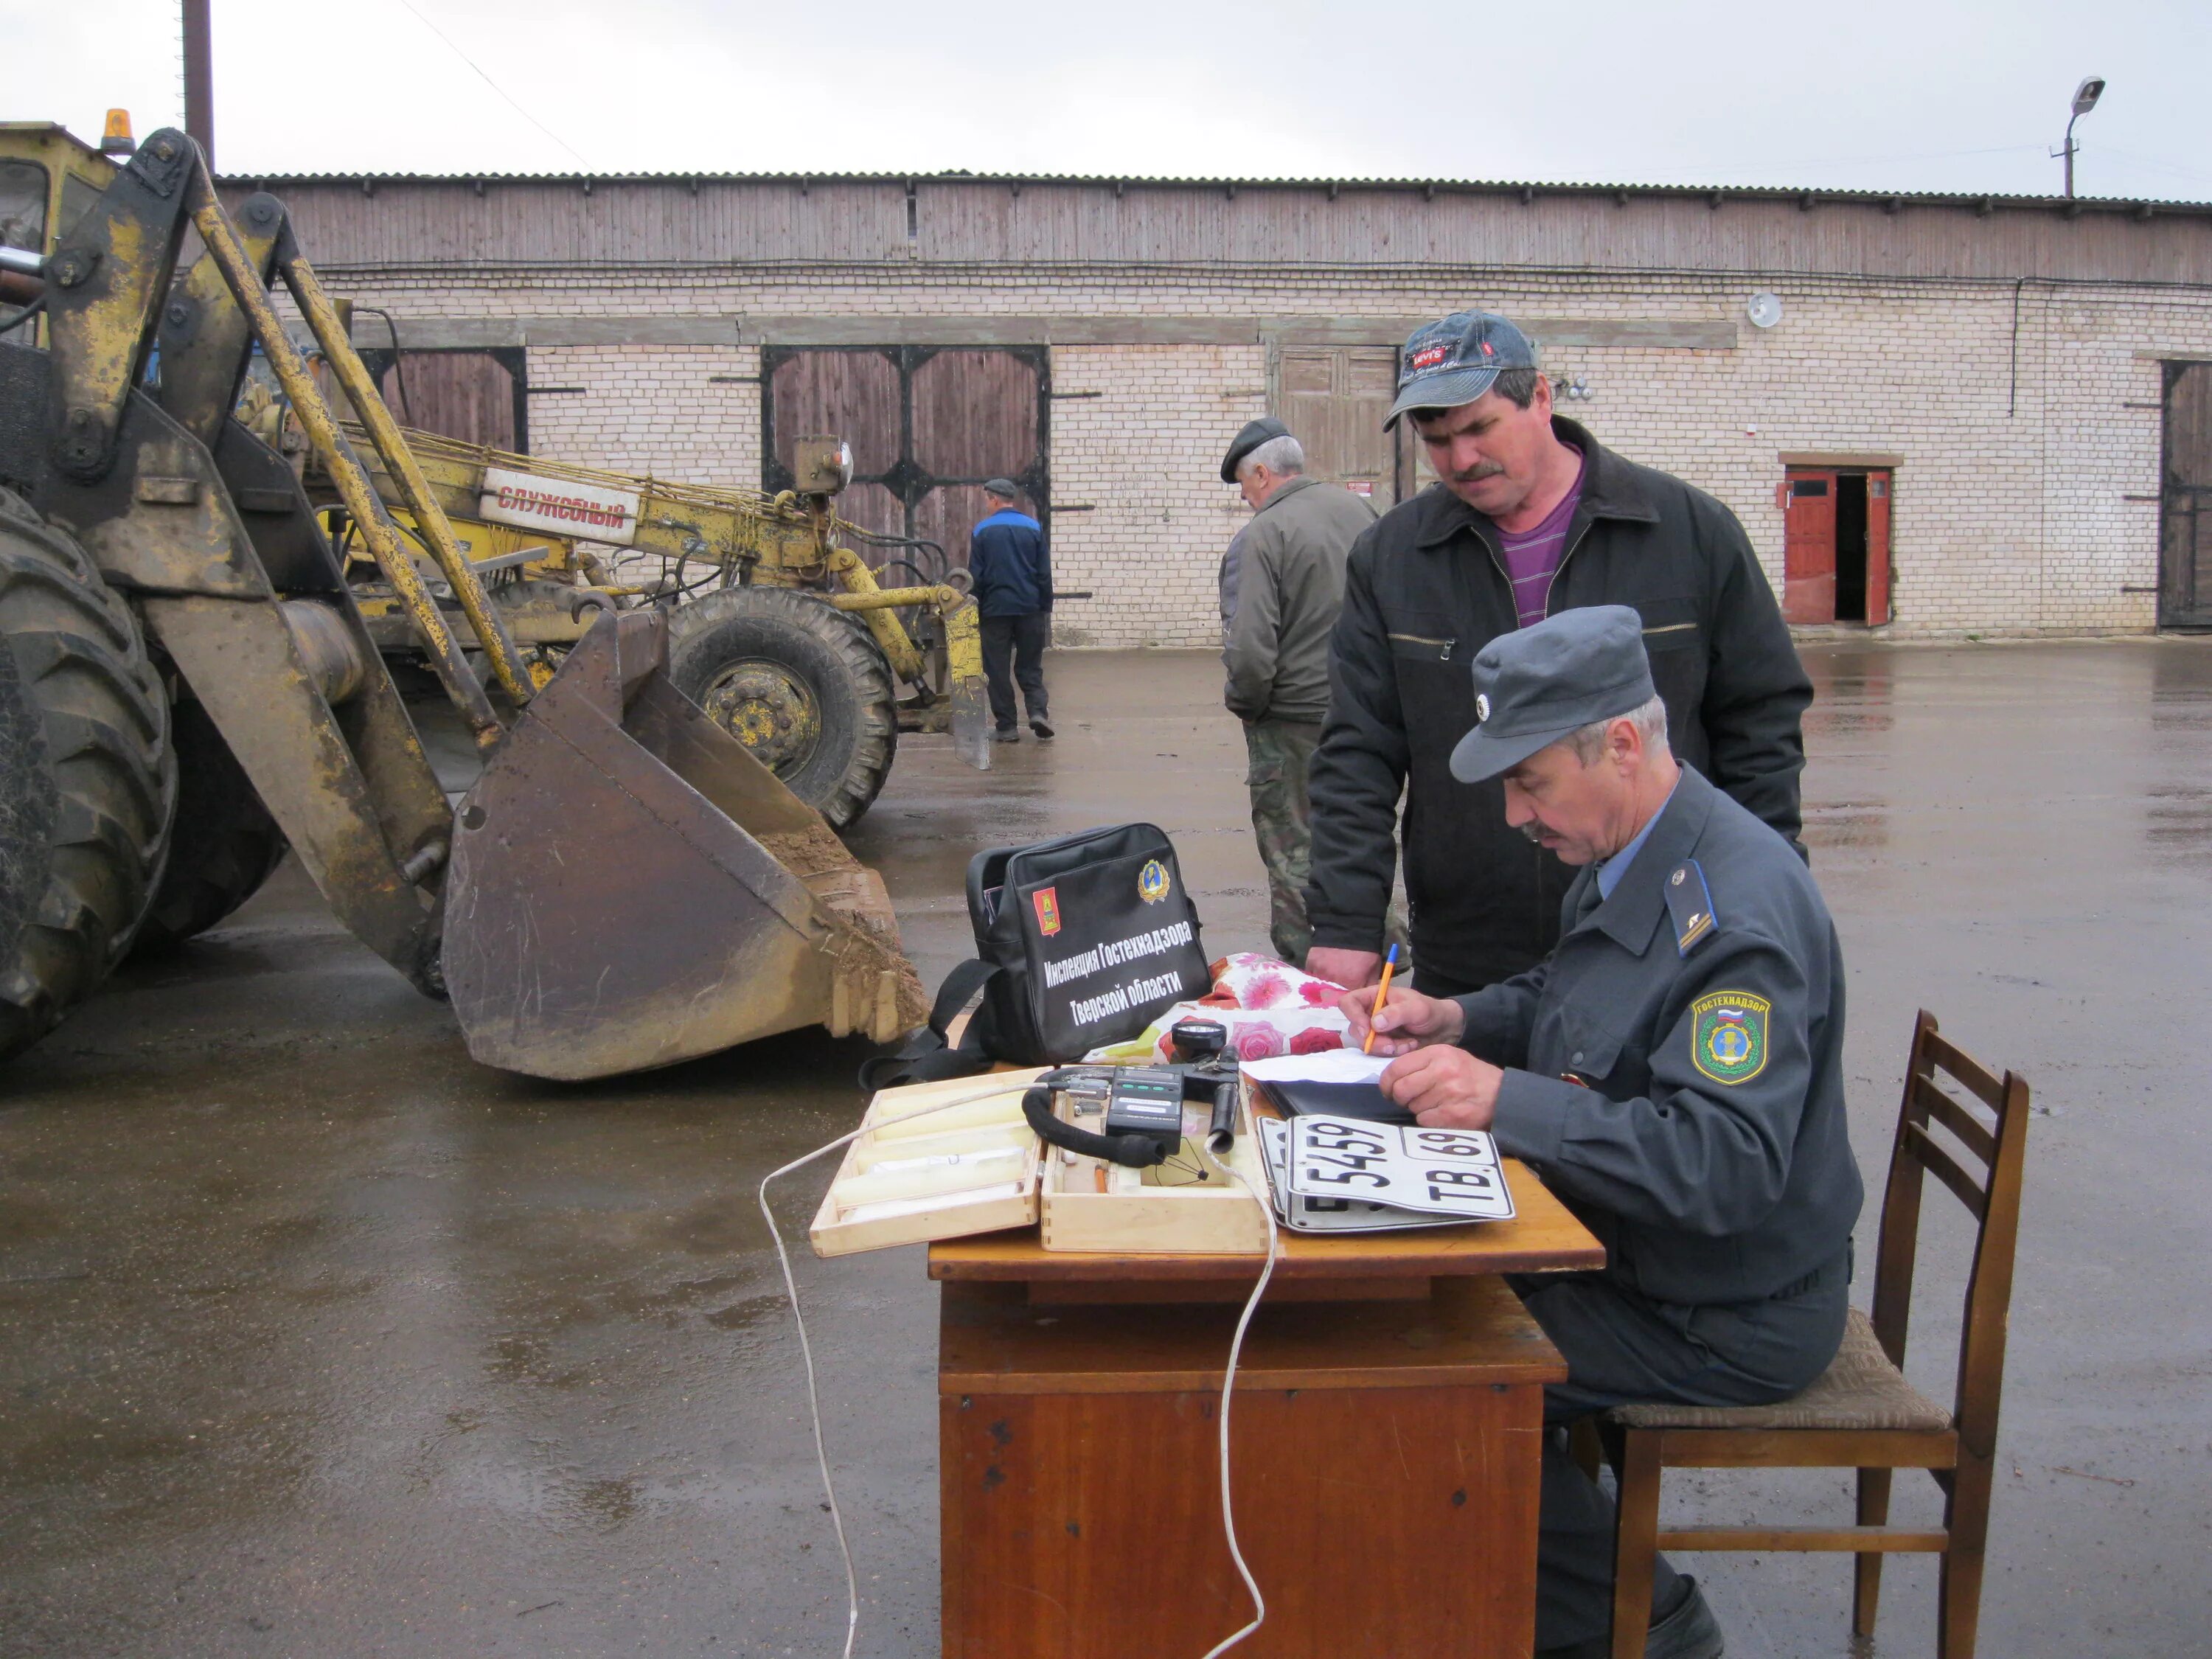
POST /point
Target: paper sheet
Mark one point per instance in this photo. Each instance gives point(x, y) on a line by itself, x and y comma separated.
point(1329, 1066)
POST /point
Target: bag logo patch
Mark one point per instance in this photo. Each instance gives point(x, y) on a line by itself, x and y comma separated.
point(1047, 901)
point(1728, 1042)
point(1152, 881)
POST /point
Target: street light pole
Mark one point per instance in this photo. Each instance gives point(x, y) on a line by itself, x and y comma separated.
point(2085, 99)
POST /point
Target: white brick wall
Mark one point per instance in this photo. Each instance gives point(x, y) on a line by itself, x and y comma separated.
point(1147, 455)
point(2009, 514)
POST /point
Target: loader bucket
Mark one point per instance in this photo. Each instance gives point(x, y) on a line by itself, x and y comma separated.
point(630, 888)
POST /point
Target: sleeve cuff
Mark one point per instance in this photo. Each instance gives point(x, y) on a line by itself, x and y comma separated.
point(1487, 1031)
point(1531, 1120)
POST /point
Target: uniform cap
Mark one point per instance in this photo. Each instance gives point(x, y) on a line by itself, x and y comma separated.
point(1534, 686)
point(1455, 360)
point(1249, 438)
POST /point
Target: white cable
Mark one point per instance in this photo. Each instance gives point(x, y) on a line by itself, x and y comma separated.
point(1228, 1383)
point(1228, 1380)
point(806, 1349)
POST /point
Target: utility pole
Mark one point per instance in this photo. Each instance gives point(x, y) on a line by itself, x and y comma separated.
point(199, 78)
point(2085, 99)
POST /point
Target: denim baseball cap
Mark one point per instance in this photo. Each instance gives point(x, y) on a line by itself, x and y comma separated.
point(1456, 361)
point(1534, 686)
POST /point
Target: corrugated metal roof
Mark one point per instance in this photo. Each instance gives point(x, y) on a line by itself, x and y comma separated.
point(1976, 201)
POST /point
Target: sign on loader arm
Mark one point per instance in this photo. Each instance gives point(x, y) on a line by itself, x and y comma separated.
point(625, 886)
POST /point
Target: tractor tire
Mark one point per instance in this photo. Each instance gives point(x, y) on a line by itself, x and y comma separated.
point(87, 779)
point(223, 844)
point(800, 683)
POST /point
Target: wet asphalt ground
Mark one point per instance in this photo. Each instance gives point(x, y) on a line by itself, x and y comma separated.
point(320, 1340)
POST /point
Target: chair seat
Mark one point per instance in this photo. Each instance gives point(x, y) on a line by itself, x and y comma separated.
point(1861, 1389)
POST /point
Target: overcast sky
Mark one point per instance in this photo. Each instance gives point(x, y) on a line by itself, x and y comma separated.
point(1905, 94)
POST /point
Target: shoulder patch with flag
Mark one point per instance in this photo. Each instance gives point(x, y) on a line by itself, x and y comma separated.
point(1728, 1035)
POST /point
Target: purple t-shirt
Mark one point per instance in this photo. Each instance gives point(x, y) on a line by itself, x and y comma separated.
point(1533, 559)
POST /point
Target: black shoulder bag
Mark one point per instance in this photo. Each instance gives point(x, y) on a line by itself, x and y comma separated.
point(1079, 942)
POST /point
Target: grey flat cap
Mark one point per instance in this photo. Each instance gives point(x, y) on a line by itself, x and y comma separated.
point(1532, 687)
point(1455, 360)
point(1002, 488)
point(1249, 438)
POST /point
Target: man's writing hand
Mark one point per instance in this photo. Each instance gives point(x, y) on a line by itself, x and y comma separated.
point(1409, 1019)
point(1444, 1088)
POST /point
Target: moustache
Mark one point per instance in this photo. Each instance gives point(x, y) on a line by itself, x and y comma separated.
point(1476, 475)
point(1533, 832)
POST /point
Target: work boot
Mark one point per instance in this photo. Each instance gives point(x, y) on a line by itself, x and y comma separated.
point(1042, 727)
point(1006, 734)
point(1688, 1632)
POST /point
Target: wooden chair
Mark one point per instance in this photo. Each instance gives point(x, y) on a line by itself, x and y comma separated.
point(1861, 1413)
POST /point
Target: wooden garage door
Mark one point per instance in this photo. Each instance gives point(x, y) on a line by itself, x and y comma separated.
point(478, 397)
point(2184, 572)
point(1334, 399)
point(927, 426)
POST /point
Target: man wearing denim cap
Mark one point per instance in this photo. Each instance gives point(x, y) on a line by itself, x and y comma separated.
point(1674, 1068)
point(1531, 516)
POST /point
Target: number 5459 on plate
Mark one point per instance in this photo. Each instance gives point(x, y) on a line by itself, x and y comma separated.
point(1443, 1171)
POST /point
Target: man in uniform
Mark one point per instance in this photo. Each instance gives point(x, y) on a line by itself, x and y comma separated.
point(1282, 582)
point(1012, 576)
point(1674, 1068)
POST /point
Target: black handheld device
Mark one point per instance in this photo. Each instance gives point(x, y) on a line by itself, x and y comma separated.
point(1143, 1125)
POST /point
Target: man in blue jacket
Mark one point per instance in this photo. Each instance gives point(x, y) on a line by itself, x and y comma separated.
point(1013, 601)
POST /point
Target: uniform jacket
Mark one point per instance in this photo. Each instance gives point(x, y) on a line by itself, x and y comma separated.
point(1701, 1009)
point(1282, 581)
point(1007, 556)
point(1424, 589)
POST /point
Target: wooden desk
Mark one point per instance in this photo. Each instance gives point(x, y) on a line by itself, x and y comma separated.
point(1386, 1447)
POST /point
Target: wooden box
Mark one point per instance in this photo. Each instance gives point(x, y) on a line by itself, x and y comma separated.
point(1091, 1206)
point(852, 1219)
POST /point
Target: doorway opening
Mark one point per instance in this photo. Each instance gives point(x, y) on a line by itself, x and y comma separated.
point(1850, 547)
point(1836, 544)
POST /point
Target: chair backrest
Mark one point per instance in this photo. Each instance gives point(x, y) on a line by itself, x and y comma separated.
point(1998, 1150)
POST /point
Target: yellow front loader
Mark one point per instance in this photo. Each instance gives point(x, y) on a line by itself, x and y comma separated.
point(778, 630)
point(624, 886)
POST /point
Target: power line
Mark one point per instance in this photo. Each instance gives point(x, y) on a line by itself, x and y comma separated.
point(493, 84)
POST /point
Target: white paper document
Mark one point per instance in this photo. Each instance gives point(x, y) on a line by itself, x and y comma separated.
point(1329, 1066)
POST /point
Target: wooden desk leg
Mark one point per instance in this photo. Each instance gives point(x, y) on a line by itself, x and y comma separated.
point(1398, 1521)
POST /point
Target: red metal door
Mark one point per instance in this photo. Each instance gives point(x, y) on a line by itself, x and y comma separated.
point(1808, 546)
point(1877, 549)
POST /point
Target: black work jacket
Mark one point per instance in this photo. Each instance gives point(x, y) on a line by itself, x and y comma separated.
point(1675, 1065)
point(1425, 589)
